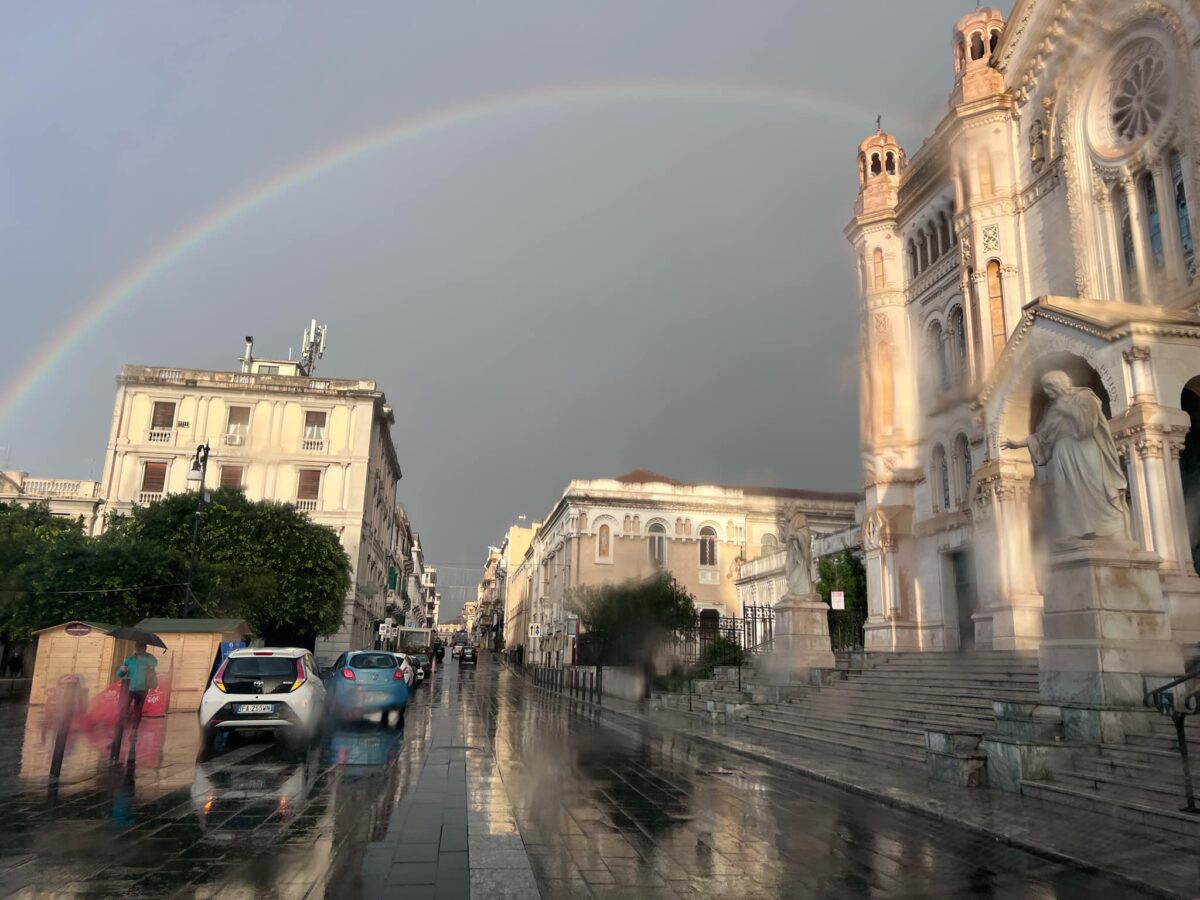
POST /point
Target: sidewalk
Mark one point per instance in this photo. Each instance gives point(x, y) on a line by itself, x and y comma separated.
point(1155, 862)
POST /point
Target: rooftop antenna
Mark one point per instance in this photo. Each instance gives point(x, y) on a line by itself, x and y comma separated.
point(313, 346)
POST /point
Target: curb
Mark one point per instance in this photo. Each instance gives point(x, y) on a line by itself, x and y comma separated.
point(936, 813)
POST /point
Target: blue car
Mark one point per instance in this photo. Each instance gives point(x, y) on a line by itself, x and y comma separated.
point(364, 682)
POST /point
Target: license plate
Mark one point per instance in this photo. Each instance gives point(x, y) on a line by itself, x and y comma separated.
point(255, 708)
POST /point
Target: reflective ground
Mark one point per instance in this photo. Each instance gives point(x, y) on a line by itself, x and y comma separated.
point(538, 785)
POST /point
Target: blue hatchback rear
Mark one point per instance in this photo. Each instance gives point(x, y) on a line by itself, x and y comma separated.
point(365, 682)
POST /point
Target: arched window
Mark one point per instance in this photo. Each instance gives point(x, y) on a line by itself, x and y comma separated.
point(1153, 221)
point(962, 452)
point(604, 543)
point(1181, 212)
point(935, 242)
point(995, 39)
point(912, 259)
point(923, 249)
point(977, 46)
point(878, 268)
point(960, 54)
point(1128, 257)
point(947, 239)
point(708, 547)
point(862, 167)
point(958, 343)
point(768, 545)
point(876, 166)
point(939, 477)
point(658, 544)
point(996, 307)
point(936, 355)
point(891, 163)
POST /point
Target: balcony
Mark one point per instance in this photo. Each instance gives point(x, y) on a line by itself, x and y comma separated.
point(315, 445)
point(160, 436)
point(60, 488)
point(146, 497)
point(306, 505)
point(771, 564)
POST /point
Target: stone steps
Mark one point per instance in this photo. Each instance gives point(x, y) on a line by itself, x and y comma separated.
point(1109, 769)
point(931, 694)
point(836, 743)
point(1133, 811)
point(888, 719)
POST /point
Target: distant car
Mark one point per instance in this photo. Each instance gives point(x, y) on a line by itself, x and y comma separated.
point(264, 689)
point(455, 650)
point(407, 668)
point(366, 682)
point(469, 657)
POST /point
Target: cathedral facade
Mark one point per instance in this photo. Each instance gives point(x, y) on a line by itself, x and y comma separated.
point(1047, 224)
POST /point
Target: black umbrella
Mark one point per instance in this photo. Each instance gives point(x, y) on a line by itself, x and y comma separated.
point(138, 636)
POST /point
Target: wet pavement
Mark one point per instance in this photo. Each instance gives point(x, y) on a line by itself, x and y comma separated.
point(493, 788)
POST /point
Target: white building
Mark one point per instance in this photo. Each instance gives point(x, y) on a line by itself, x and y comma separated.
point(71, 498)
point(276, 433)
point(1047, 223)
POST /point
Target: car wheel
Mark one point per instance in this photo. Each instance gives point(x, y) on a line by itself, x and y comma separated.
point(208, 740)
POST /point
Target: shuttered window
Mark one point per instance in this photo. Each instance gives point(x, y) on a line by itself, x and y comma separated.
point(164, 415)
point(239, 420)
point(314, 424)
point(310, 484)
point(231, 477)
point(154, 477)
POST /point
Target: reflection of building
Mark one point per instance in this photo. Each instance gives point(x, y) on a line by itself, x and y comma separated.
point(278, 433)
point(66, 497)
point(1047, 223)
point(606, 531)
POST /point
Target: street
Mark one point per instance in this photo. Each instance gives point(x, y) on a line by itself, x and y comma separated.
point(493, 788)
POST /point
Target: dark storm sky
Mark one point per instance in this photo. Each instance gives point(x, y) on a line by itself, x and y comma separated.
point(575, 286)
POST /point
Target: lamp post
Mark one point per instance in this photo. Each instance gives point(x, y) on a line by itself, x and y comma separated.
point(197, 474)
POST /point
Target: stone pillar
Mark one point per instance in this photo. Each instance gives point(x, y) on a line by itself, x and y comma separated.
point(1108, 638)
point(1168, 223)
point(802, 642)
point(1141, 252)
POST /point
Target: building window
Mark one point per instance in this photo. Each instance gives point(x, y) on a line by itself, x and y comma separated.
point(913, 269)
point(658, 543)
point(977, 46)
point(238, 424)
point(937, 355)
point(163, 417)
point(878, 259)
point(996, 306)
point(231, 477)
point(769, 545)
point(958, 340)
point(1181, 212)
point(309, 489)
point(940, 478)
point(1128, 256)
point(962, 450)
point(154, 481)
point(945, 228)
point(708, 547)
point(268, 370)
point(1153, 221)
point(922, 249)
point(604, 542)
point(314, 430)
point(891, 163)
point(993, 41)
point(876, 165)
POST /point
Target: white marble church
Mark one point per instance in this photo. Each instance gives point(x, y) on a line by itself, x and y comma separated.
point(1047, 223)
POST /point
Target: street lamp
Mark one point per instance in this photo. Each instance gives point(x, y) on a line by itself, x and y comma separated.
point(197, 474)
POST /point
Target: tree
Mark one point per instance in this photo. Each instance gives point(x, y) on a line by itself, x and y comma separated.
point(844, 573)
point(632, 619)
point(267, 562)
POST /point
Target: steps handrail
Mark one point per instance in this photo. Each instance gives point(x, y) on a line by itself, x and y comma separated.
point(1162, 698)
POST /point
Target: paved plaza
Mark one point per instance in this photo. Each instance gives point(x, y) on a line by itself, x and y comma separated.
point(493, 789)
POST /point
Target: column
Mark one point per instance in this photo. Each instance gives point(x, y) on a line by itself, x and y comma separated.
point(1183, 539)
point(1149, 449)
point(1141, 376)
point(1168, 223)
point(1137, 223)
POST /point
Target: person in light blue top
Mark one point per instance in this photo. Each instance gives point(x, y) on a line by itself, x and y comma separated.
point(138, 672)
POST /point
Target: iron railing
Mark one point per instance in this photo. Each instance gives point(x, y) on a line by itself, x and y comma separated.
point(1164, 700)
point(581, 683)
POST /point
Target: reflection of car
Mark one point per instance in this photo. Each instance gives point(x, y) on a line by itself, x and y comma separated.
point(232, 800)
point(365, 682)
point(469, 657)
point(271, 689)
point(407, 668)
point(350, 746)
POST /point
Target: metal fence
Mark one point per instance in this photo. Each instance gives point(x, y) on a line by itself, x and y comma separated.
point(846, 629)
point(586, 683)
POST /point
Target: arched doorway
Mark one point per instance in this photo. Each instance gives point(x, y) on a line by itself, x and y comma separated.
point(1189, 465)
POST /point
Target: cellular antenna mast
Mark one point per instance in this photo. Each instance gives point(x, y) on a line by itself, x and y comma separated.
point(312, 347)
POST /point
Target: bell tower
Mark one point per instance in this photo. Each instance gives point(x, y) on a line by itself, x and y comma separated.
point(975, 38)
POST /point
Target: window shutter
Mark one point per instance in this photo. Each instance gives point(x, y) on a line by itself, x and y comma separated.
point(231, 477)
point(314, 419)
point(239, 419)
point(310, 484)
point(164, 415)
point(154, 477)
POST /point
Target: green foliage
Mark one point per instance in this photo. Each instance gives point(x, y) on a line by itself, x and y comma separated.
point(844, 573)
point(635, 608)
point(720, 651)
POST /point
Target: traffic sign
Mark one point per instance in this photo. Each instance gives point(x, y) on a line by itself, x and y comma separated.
point(839, 599)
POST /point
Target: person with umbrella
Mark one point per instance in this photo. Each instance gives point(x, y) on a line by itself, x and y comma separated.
point(138, 671)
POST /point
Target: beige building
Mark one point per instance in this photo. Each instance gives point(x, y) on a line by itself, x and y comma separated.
point(276, 433)
point(605, 531)
point(510, 597)
point(1047, 223)
point(70, 498)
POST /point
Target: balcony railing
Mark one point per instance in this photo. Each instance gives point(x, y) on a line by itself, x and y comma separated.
point(316, 444)
point(160, 436)
point(306, 505)
point(56, 487)
point(145, 497)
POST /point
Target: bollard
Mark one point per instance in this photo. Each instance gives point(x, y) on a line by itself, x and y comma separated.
point(68, 697)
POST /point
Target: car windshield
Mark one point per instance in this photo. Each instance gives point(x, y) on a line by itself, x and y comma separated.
point(246, 667)
point(422, 659)
point(373, 661)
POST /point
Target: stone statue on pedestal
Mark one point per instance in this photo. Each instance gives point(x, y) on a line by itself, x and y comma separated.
point(1073, 440)
point(798, 539)
point(801, 641)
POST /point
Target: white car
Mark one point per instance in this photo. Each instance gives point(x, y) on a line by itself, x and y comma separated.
point(406, 667)
point(264, 689)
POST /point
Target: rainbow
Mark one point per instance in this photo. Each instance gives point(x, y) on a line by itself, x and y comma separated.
point(120, 291)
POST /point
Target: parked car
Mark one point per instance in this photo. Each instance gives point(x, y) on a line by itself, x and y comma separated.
point(366, 682)
point(455, 650)
point(264, 689)
point(469, 657)
point(424, 663)
point(407, 667)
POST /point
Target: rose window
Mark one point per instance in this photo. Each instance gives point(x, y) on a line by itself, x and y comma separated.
point(1140, 97)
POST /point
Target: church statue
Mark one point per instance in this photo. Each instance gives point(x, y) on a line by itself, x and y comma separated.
point(1073, 440)
point(799, 554)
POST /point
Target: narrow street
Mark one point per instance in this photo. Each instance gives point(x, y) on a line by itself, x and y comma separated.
point(493, 789)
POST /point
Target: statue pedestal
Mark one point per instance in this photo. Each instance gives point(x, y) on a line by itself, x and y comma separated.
point(801, 636)
point(1107, 638)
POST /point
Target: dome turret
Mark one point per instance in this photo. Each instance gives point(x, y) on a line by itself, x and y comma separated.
point(975, 38)
point(881, 160)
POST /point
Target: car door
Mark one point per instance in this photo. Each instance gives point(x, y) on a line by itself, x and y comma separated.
point(314, 677)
